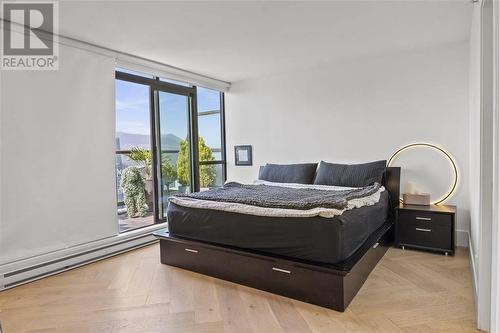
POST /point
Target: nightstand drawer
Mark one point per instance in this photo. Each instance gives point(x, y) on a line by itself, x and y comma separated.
point(424, 218)
point(425, 233)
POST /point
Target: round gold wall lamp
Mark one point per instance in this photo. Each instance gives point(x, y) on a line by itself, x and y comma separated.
point(454, 182)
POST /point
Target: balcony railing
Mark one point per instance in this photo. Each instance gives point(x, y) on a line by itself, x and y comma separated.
point(121, 165)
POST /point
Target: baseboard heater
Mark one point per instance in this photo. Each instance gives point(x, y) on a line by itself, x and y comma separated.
point(31, 273)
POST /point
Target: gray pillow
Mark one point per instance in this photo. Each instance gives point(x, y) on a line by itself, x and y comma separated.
point(354, 175)
point(289, 173)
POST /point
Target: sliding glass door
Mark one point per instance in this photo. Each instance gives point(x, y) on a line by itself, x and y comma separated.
point(173, 134)
point(133, 145)
point(174, 146)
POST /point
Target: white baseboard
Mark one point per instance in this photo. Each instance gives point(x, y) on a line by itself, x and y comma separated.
point(473, 270)
point(462, 238)
point(473, 267)
point(23, 271)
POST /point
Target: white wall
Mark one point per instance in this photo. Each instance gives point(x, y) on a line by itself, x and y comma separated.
point(475, 130)
point(484, 142)
point(57, 156)
point(358, 111)
point(57, 160)
point(495, 255)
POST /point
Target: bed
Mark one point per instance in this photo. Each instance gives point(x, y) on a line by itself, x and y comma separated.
point(324, 261)
point(309, 238)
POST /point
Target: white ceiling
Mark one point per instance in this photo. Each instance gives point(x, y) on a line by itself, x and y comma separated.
point(238, 40)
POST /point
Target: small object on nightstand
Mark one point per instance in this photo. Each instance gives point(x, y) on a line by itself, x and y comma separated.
point(423, 199)
point(426, 227)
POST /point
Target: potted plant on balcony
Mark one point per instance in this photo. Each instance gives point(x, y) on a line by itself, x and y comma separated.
point(132, 184)
point(143, 157)
point(207, 172)
point(168, 172)
point(183, 166)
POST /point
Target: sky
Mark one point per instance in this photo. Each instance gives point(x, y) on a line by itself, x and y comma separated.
point(132, 112)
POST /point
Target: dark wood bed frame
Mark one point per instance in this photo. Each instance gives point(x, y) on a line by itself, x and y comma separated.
point(331, 286)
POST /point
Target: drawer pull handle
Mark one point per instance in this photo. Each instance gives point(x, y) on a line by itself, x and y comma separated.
point(191, 250)
point(423, 218)
point(425, 230)
point(281, 270)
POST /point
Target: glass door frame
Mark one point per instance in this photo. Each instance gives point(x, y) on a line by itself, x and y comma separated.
point(190, 93)
point(155, 86)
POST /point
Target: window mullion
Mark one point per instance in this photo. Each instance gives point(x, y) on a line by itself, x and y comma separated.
point(223, 136)
point(154, 109)
point(195, 165)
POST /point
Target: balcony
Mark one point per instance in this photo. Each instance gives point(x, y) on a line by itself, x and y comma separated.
point(173, 181)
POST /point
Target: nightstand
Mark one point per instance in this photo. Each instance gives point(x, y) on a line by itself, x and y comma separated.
point(426, 227)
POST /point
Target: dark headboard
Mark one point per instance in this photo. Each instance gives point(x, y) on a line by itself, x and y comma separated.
point(391, 182)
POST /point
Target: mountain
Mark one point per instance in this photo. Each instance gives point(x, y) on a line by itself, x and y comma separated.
point(127, 141)
point(170, 142)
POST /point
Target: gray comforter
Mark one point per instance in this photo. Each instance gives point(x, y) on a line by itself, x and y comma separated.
point(283, 197)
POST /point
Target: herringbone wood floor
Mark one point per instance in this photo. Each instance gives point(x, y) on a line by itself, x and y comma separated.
point(408, 291)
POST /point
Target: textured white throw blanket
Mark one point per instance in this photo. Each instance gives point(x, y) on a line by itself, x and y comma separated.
point(280, 212)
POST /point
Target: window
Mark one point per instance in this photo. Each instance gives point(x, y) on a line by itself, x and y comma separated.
point(157, 119)
point(133, 132)
point(212, 159)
